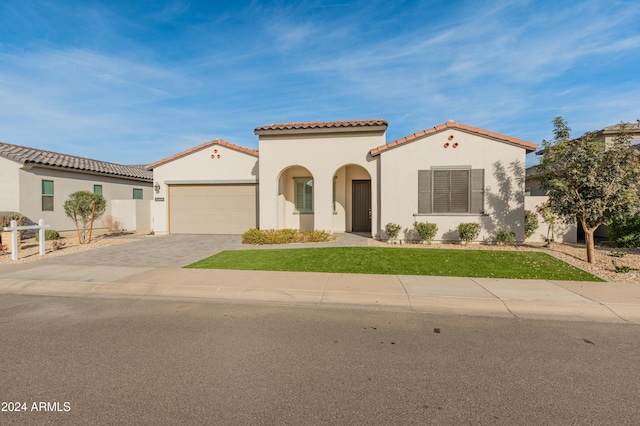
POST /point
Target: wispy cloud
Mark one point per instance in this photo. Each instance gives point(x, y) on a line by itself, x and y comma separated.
point(157, 79)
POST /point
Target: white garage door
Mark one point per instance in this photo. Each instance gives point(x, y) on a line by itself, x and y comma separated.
point(212, 209)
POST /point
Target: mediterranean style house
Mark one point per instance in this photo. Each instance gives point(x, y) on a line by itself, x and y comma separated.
point(36, 183)
point(344, 177)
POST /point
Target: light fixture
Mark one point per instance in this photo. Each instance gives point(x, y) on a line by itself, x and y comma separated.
point(156, 187)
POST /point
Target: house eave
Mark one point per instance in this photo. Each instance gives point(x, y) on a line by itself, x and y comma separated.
point(321, 130)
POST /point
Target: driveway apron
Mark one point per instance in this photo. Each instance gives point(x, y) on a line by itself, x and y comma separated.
point(161, 251)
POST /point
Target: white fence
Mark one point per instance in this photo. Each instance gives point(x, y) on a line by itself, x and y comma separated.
point(14, 228)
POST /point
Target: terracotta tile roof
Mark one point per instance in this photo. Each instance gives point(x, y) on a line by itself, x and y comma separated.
point(322, 125)
point(27, 156)
point(530, 147)
point(229, 145)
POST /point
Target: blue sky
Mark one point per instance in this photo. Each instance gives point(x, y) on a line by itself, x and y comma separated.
point(137, 81)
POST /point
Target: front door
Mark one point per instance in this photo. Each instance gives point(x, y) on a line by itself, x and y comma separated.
point(361, 206)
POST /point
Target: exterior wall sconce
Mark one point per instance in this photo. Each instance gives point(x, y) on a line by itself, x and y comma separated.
point(156, 187)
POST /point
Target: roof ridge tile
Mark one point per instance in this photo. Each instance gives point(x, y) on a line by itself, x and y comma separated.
point(529, 146)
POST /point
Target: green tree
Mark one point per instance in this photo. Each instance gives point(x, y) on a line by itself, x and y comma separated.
point(84, 207)
point(590, 181)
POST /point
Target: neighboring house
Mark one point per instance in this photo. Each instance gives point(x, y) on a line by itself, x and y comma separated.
point(36, 183)
point(535, 196)
point(343, 177)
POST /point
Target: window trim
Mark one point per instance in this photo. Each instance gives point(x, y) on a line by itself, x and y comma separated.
point(95, 185)
point(141, 193)
point(334, 203)
point(47, 196)
point(304, 180)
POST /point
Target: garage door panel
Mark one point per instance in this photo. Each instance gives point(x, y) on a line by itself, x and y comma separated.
point(212, 209)
point(229, 203)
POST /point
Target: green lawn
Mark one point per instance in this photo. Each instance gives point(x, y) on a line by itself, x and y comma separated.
point(400, 261)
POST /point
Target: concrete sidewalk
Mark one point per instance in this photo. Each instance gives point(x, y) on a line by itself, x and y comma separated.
point(539, 299)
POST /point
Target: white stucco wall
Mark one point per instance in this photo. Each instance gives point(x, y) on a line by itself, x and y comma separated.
point(504, 166)
point(563, 232)
point(133, 215)
point(324, 155)
point(65, 183)
point(199, 167)
point(9, 185)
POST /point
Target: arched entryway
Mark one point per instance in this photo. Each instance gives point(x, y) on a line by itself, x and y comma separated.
point(352, 199)
point(295, 198)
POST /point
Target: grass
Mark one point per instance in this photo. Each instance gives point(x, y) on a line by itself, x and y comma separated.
point(400, 261)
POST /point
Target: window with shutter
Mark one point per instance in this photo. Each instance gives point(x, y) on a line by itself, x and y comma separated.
point(451, 191)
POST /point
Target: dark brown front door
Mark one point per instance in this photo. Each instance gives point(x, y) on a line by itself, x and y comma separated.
point(361, 206)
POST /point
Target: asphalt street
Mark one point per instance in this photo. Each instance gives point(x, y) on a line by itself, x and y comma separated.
point(124, 361)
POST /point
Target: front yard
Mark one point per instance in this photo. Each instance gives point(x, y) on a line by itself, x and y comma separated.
point(401, 261)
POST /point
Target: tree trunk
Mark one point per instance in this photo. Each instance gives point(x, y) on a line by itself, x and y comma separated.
point(75, 219)
point(93, 213)
point(589, 241)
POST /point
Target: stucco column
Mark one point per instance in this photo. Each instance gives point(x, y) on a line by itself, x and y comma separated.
point(375, 204)
point(268, 195)
point(323, 201)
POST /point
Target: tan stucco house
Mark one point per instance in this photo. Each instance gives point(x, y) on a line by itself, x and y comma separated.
point(344, 177)
point(36, 183)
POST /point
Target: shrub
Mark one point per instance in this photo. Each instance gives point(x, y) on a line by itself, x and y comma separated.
point(285, 236)
point(530, 223)
point(7, 217)
point(49, 234)
point(112, 225)
point(625, 232)
point(83, 207)
point(57, 245)
point(505, 237)
point(392, 230)
point(468, 231)
point(426, 230)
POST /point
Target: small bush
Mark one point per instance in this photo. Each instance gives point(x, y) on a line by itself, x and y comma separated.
point(112, 225)
point(285, 236)
point(625, 232)
point(468, 231)
point(426, 230)
point(505, 237)
point(621, 269)
point(49, 234)
point(7, 217)
point(392, 230)
point(530, 223)
point(57, 244)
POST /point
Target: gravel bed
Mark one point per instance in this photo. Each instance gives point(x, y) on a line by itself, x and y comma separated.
point(30, 250)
